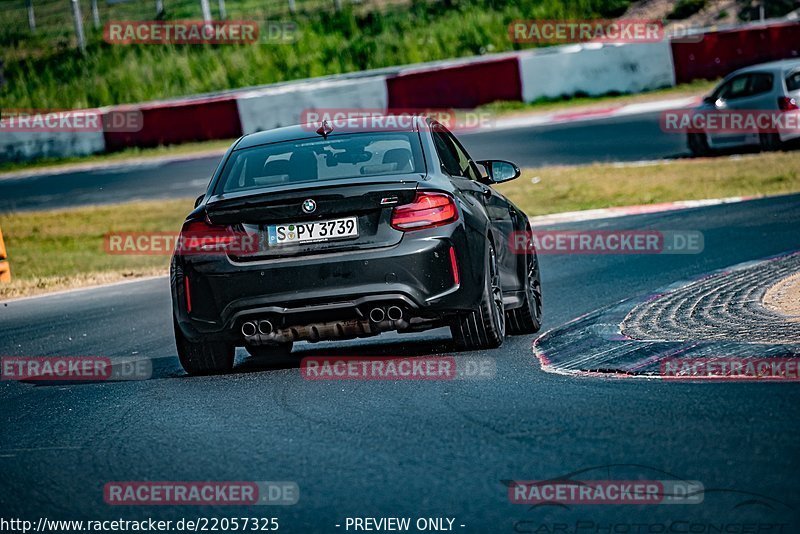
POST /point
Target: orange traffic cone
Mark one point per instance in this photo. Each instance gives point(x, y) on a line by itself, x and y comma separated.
point(5, 269)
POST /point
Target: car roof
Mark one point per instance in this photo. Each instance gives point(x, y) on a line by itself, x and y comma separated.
point(346, 125)
point(783, 65)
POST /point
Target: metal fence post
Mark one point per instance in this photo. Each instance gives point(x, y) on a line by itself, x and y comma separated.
point(95, 14)
point(206, 10)
point(76, 14)
point(31, 16)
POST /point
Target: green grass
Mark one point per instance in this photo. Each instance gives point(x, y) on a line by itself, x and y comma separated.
point(568, 188)
point(47, 72)
point(60, 249)
point(686, 8)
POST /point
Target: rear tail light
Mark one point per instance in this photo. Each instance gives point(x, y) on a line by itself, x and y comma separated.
point(786, 103)
point(427, 211)
point(202, 237)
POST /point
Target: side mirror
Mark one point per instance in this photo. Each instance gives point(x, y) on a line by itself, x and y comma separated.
point(500, 170)
point(198, 200)
point(710, 100)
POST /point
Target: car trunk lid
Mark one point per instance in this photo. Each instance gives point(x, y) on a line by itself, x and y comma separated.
point(370, 203)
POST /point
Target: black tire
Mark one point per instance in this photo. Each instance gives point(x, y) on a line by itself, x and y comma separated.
point(204, 357)
point(485, 327)
point(769, 142)
point(269, 351)
point(527, 319)
point(698, 144)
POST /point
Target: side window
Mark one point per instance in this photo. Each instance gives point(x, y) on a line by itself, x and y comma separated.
point(454, 158)
point(793, 81)
point(467, 167)
point(760, 82)
point(447, 152)
point(734, 88)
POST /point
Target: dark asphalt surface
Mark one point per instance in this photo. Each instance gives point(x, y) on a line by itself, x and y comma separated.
point(416, 449)
point(620, 139)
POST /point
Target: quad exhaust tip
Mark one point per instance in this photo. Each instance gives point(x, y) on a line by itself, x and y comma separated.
point(249, 329)
point(377, 315)
point(394, 313)
point(265, 327)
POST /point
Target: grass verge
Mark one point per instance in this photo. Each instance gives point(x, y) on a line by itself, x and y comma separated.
point(569, 188)
point(53, 250)
point(46, 72)
point(63, 249)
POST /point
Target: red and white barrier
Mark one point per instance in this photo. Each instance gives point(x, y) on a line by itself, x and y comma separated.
point(272, 107)
point(179, 121)
point(462, 85)
point(720, 53)
point(22, 145)
point(595, 69)
point(590, 68)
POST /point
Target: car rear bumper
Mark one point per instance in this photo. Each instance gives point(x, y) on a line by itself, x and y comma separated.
point(415, 275)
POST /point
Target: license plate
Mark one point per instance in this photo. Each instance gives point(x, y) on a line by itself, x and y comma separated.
point(308, 232)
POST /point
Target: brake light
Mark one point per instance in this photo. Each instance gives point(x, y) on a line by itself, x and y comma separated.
point(202, 237)
point(427, 211)
point(786, 103)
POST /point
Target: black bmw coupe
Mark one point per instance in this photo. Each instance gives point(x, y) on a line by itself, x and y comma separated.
point(349, 230)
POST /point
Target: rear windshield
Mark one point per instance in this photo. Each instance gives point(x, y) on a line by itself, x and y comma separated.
point(317, 160)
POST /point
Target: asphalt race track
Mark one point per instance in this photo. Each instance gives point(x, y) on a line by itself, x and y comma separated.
point(630, 138)
point(410, 448)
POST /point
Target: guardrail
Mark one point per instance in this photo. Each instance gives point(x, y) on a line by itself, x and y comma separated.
point(5, 268)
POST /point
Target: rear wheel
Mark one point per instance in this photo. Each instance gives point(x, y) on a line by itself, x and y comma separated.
point(269, 351)
point(698, 144)
point(769, 142)
point(203, 357)
point(527, 319)
point(485, 327)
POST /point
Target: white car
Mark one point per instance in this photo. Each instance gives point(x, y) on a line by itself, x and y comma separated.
point(771, 87)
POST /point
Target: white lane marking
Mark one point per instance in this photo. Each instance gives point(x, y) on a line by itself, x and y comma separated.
point(624, 211)
point(86, 288)
point(589, 114)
